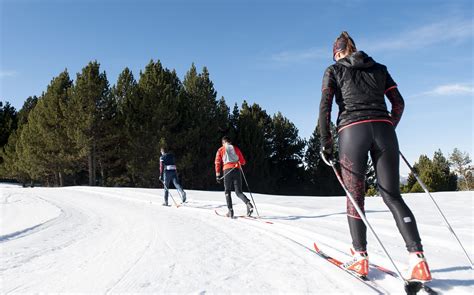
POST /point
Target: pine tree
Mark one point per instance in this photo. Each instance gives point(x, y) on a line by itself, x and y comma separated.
point(8, 122)
point(108, 147)
point(460, 161)
point(85, 116)
point(234, 122)
point(57, 148)
point(8, 155)
point(152, 115)
point(125, 94)
point(203, 133)
point(435, 174)
point(322, 179)
point(27, 107)
point(253, 137)
point(30, 154)
point(223, 117)
point(47, 151)
point(444, 179)
point(11, 168)
point(287, 156)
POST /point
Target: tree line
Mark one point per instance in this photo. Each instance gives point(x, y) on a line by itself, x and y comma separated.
point(85, 131)
point(88, 132)
point(441, 173)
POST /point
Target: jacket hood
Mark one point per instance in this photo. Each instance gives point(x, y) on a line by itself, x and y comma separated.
point(357, 60)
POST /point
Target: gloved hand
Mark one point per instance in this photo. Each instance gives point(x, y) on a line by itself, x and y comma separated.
point(218, 178)
point(161, 178)
point(328, 151)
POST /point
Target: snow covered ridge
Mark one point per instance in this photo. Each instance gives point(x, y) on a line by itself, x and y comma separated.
point(93, 239)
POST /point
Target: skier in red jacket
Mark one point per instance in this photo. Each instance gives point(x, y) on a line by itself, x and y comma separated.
point(229, 158)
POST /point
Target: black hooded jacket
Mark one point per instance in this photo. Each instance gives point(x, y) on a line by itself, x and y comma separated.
point(359, 84)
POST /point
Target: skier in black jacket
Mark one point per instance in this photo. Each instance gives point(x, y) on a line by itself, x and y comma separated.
point(168, 174)
point(365, 126)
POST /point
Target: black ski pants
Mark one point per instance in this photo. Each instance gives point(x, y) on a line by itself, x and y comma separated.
point(379, 139)
point(233, 178)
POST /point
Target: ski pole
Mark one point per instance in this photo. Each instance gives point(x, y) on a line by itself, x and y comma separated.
point(362, 216)
point(166, 188)
point(225, 174)
point(250, 192)
point(437, 207)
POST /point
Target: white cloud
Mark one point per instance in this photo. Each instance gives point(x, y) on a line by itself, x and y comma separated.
point(301, 55)
point(4, 74)
point(453, 30)
point(449, 90)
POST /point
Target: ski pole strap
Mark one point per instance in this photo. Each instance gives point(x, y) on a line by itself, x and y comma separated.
point(329, 163)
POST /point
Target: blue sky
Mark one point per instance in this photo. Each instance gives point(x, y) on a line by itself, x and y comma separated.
point(270, 52)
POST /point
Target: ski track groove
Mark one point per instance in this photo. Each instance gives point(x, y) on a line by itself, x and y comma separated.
point(123, 276)
point(69, 221)
point(308, 236)
point(269, 230)
point(293, 240)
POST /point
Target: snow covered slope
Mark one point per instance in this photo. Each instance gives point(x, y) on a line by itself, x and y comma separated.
point(83, 239)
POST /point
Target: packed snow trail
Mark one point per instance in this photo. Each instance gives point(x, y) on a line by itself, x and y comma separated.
point(83, 239)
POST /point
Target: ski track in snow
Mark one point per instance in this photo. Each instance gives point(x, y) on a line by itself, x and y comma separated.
point(116, 240)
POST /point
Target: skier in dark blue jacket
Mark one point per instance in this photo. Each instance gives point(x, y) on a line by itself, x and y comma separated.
point(168, 174)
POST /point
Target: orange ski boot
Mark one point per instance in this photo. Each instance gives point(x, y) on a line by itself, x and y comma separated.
point(359, 263)
point(418, 270)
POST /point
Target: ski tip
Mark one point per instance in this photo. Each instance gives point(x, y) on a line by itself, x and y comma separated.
point(316, 247)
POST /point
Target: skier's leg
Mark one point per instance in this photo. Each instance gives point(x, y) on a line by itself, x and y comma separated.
point(240, 194)
point(166, 181)
point(178, 186)
point(385, 156)
point(237, 180)
point(228, 189)
point(354, 144)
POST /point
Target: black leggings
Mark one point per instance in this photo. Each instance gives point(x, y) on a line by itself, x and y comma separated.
point(378, 138)
point(233, 178)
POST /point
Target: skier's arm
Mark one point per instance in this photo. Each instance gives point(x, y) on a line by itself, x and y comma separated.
point(161, 167)
point(325, 106)
point(398, 105)
point(395, 98)
point(218, 162)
